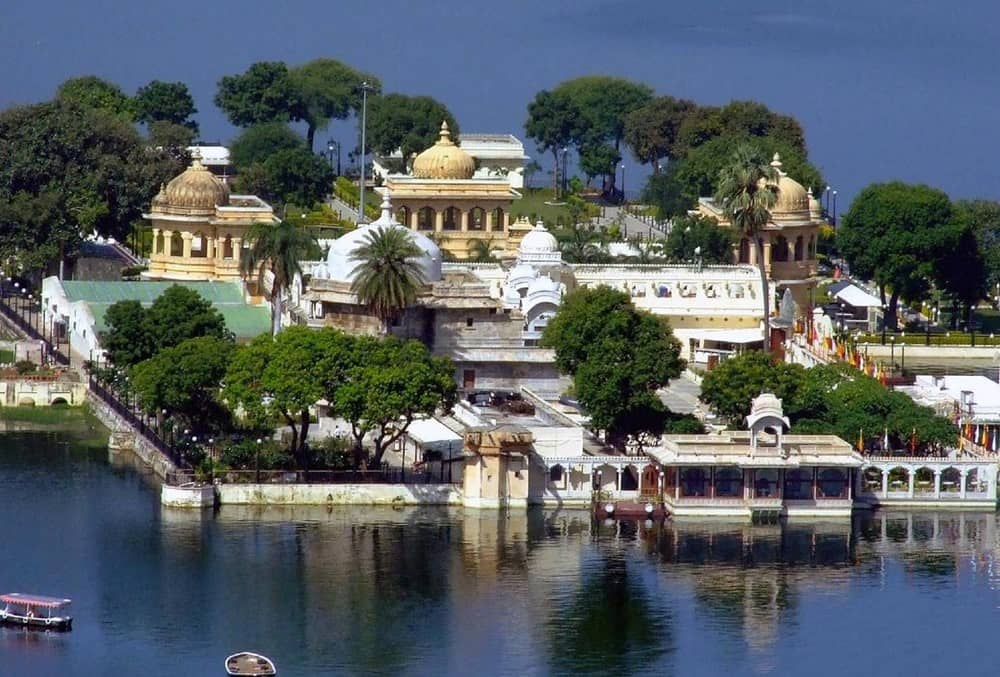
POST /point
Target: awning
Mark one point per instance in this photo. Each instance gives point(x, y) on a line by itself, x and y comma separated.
point(33, 600)
point(857, 297)
point(432, 435)
point(736, 336)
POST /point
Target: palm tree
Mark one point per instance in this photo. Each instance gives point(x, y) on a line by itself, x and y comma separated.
point(580, 244)
point(748, 188)
point(388, 276)
point(482, 251)
point(280, 248)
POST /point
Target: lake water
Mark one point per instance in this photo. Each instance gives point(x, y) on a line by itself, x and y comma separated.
point(381, 591)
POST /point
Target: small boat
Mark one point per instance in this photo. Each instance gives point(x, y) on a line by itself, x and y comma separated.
point(35, 611)
point(248, 663)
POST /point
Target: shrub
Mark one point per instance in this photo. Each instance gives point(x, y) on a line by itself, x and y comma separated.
point(25, 366)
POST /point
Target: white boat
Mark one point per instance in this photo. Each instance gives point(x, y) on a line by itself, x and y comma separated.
point(249, 663)
point(36, 611)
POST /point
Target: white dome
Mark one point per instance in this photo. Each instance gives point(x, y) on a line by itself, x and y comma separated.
point(538, 240)
point(543, 284)
point(340, 264)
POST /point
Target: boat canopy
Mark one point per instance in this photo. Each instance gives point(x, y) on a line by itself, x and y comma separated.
point(33, 600)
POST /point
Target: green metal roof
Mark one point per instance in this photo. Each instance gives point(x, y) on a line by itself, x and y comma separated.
point(243, 320)
point(216, 293)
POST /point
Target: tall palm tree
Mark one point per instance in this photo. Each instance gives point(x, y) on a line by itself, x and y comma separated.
point(388, 275)
point(748, 188)
point(279, 248)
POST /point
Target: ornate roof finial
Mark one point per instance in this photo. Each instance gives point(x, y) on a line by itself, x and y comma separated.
point(445, 134)
point(386, 208)
point(196, 159)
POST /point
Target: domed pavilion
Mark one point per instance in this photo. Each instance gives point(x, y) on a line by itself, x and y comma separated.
point(442, 198)
point(199, 228)
point(789, 241)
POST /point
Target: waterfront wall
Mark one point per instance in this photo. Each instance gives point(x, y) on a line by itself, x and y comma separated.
point(125, 439)
point(41, 392)
point(339, 494)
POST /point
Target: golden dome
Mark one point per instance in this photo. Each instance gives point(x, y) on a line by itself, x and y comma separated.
point(793, 200)
point(195, 188)
point(444, 160)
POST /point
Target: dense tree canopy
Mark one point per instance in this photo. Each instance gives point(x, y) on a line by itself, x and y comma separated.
point(893, 233)
point(618, 357)
point(184, 380)
point(552, 118)
point(134, 333)
point(258, 142)
point(690, 233)
point(90, 91)
point(270, 91)
point(291, 175)
point(165, 102)
point(68, 170)
point(652, 130)
point(407, 123)
point(832, 399)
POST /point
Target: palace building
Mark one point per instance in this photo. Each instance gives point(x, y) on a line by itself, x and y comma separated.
point(789, 241)
point(445, 199)
point(199, 228)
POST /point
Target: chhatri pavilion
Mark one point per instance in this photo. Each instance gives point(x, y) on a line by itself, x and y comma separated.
point(789, 241)
point(199, 229)
point(444, 199)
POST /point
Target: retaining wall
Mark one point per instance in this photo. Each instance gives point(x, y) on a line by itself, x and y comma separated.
point(339, 494)
point(124, 438)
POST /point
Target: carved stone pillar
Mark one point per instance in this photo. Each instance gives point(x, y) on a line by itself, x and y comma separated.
point(187, 237)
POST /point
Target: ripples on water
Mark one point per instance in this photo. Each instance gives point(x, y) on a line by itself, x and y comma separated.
point(433, 591)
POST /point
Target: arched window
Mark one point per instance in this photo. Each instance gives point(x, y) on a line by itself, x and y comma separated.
point(227, 248)
point(798, 248)
point(199, 246)
point(425, 218)
point(779, 249)
point(452, 218)
point(477, 219)
point(176, 245)
point(497, 219)
point(403, 216)
point(812, 246)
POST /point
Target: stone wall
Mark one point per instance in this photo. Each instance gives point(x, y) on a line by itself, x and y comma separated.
point(38, 392)
point(339, 494)
point(125, 439)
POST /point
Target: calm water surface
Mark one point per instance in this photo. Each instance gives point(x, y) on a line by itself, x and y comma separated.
point(351, 591)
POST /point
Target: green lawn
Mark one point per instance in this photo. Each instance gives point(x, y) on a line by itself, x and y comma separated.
point(533, 206)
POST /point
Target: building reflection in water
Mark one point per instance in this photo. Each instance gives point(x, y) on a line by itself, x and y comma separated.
point(377, 589)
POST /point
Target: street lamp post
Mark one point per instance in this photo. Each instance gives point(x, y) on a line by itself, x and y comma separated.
point(827, 196)
point(565, 171)
point(623, 183)
point(892, 354)
point(885, 311)
point(332, 144)
point(835, 209)
point(365, 88)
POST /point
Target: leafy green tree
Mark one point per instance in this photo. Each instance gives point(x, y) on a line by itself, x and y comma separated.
point(407, 123)
point(184, 379)
point(280, 377)
point(172, 137)
point(751, 118)
point(692, 237)
point(697, 174)
point(291, 175)
point(580, 244)
point(732, 385)
point(389, 384)
point(387, 276)
point(700, 126)
point(618, 357)
point(651, 130)
point(265, 92)
point(165, 102)
point(747, 190)
point(67, 170)
point(602, 104)
point(328, 89)
point(598, 159)
point(126, 338)
point(180, 313)
point(482, 251)
point(984, 218)
point(258, 142)
point(893, 233)
point(134, 333)
point(91, 91)
point(552, 118)
point(279, 249)
point(960, 269)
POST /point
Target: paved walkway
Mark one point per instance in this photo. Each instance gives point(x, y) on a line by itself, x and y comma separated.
point(632, 226)
point(343, 210)
point(681, 395)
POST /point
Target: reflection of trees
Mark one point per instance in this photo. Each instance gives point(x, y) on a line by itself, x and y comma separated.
point(608, 625)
